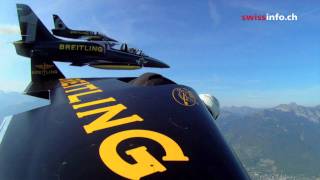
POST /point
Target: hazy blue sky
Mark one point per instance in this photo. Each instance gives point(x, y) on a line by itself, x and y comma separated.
point(208, 46)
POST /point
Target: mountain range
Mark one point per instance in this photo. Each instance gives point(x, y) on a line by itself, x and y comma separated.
point(275, 142)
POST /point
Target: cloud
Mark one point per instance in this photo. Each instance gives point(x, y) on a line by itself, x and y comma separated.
point(213, 12)
point(6, 29)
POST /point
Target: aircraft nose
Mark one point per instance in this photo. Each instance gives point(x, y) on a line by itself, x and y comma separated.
point(151, 62)
point(164, 65)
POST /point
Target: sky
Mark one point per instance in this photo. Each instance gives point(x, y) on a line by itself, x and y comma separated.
point(206, 43)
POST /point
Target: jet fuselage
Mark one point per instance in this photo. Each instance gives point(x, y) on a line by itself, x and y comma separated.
point(85, 52)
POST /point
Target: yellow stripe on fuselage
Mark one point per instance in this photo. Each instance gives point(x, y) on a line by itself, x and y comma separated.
point(127, 67)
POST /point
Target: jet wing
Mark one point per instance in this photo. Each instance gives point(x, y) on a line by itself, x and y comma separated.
point(115, 128)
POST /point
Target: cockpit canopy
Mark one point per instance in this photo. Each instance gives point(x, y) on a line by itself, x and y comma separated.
point(100, 34)
point(125, 48)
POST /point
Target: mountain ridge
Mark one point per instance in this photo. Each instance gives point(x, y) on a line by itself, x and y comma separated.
point(273, 141)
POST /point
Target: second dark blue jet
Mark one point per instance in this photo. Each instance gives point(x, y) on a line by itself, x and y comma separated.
point(38, 43)
point(61, 29)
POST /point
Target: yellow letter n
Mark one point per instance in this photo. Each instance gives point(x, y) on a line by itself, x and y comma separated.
point(105, 120)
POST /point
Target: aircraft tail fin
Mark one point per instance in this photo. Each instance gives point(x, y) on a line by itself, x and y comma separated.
point(44, 77)
point(32, 29)
point(58, 23)
point(44, 70)
point(44, 73)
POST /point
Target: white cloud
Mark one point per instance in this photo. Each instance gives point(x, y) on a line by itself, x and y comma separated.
point(213, 12)
point(7, 29)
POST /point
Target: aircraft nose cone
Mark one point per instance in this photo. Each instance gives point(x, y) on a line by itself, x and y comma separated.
point(164, 65)
point(151, 62)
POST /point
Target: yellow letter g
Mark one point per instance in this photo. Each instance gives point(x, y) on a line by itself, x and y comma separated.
point(145, 164)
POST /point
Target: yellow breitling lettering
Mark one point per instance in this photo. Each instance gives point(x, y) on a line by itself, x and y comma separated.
point(73, 47)
point(80, 47)
point(61, 46)
point(94, 48)
point(75, 97)
point(145, 164)
point(67, 47)
point(104, 121)
point(76, 85)
point(91, 103)
point(88, 86)
point(66, 83)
